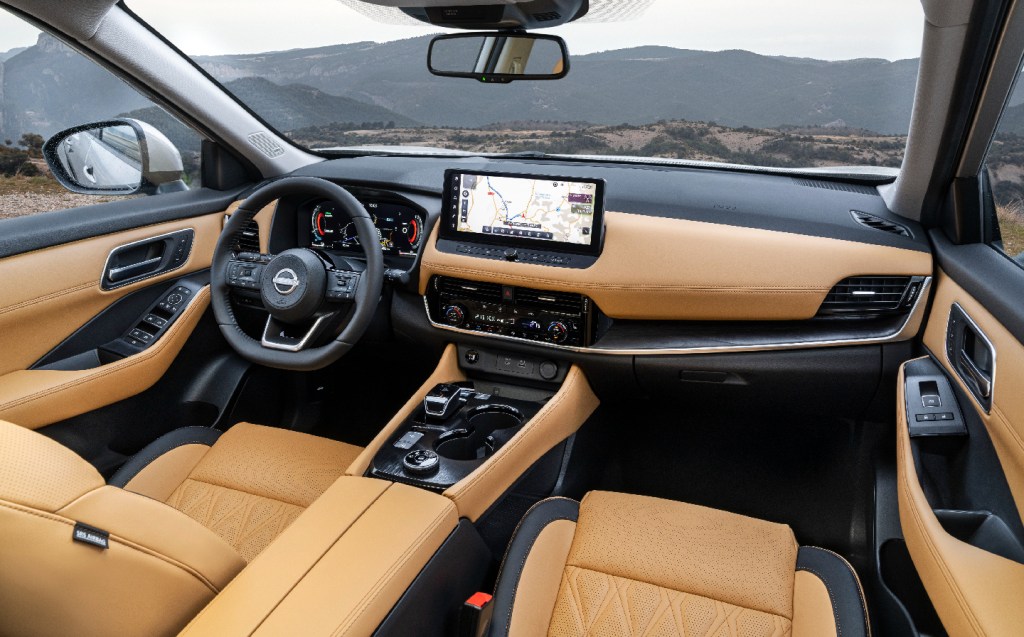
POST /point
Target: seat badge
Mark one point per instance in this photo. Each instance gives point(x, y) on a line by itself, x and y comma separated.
point(91, 535)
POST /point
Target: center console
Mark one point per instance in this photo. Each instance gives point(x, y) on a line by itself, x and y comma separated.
point(453, 432)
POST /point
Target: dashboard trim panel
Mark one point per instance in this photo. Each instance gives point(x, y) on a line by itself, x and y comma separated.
point(910, 327)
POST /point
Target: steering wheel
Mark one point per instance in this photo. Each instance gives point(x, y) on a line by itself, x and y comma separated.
point(304, 293)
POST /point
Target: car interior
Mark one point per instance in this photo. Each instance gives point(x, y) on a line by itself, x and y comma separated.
point(369, 391)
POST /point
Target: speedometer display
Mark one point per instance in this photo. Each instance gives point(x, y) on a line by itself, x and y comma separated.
point(399, 227)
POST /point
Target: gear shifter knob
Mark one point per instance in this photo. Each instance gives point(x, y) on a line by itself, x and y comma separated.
point(444, 399)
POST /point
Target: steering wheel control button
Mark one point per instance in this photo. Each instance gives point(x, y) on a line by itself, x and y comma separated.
point(341, 286)
point(421, 461)
point(408, 440)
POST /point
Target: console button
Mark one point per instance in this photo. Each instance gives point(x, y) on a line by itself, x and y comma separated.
point(472, 357)
point(548, 370)
point(420, 461)
point(408, 440)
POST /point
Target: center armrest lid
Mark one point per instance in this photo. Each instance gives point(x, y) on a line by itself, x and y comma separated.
point(339, 568)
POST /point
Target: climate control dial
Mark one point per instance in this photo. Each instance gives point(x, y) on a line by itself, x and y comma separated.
point(454, 315)
point(558, 332)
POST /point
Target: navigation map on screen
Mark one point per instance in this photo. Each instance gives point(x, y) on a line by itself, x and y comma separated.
point(527, 208)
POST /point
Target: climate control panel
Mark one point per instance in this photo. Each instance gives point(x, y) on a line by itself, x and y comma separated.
point(559, 318)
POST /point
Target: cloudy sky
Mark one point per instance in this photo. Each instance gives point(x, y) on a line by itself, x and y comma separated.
point(823, 29)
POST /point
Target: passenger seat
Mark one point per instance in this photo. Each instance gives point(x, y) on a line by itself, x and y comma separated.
point(625, 565)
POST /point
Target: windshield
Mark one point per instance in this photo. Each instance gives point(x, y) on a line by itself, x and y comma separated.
point(780, 84)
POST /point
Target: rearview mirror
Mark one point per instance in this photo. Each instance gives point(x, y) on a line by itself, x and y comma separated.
point(499, 56)
point(115, 157)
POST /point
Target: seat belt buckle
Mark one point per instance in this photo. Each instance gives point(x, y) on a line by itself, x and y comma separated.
point(476, 615)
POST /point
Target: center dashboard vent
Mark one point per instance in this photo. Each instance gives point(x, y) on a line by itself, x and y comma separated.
point(871, 295)
point(248, 238)
point(486, 292)
point(871, 221)
point(565, 302)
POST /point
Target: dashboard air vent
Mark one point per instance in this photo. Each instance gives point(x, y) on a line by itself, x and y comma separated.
point(871, 221)
point(474, 289)
point(870, 295)
point(836, 185)
point(248, 238)
point(565, 302)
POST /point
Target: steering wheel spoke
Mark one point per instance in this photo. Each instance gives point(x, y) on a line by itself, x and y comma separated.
point(342, 285)
point(286, 338)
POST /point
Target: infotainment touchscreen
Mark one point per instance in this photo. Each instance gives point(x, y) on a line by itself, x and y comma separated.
point(525, 210)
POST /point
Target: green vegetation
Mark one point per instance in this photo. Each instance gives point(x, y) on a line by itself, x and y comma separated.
point(675, 139)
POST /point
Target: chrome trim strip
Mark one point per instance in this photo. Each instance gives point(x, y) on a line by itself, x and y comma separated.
point(284, 347)
point(106, 263)
point(956, 368)
point(907, 331)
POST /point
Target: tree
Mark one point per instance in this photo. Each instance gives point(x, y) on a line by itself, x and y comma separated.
point(33, 142)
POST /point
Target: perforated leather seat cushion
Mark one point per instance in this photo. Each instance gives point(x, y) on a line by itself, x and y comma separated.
point(624, 565)
point(250, 485)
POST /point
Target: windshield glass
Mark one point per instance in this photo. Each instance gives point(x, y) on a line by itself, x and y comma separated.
point(783, 84)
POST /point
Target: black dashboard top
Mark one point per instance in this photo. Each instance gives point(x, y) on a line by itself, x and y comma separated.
point(772, 202)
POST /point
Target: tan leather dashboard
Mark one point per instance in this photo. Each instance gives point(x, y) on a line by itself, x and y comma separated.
point(675, 269)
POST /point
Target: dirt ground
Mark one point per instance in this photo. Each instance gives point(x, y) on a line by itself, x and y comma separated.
point(20, 196)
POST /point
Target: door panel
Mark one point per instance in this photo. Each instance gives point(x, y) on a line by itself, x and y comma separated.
point(48, 294)
point(969, 557)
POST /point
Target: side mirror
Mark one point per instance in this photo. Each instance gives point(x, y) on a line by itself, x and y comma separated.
point(499, 56)
point(115, 157)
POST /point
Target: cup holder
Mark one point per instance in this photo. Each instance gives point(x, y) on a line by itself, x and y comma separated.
point(487, 428)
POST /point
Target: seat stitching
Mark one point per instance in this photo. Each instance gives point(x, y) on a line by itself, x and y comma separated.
point(681, 592)
point(860, 589)
point(831, 596)
point(522, 563)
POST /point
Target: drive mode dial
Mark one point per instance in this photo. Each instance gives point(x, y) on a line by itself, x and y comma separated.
point(454, 315)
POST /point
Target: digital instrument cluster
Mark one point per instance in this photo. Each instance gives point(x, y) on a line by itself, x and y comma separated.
point(399, 227)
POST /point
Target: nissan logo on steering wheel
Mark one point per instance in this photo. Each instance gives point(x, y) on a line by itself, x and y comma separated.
point(285, 281)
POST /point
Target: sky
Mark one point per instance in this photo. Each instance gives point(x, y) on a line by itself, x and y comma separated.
point(822, 29)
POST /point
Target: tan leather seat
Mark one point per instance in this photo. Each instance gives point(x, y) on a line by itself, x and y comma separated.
point(623, 565)
point(142, 555)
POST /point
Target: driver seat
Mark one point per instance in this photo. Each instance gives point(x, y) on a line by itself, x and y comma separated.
point(142, 554)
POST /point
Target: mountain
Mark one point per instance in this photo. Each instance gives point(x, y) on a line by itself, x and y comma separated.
point(6, 55)
point(48, 87)
point(298, 105)
point(636, 85)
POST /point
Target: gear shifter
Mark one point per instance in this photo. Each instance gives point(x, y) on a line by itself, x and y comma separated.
point(444, 399)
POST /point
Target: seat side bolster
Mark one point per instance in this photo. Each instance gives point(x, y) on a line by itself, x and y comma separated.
point(845, 596)
point(40, 473)
point(142, 462)
point(813, 614)
point(160, 530)
point(531, 572)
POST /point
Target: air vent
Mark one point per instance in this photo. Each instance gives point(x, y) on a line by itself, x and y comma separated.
point(547, 16)
point(878, 223)
point(486, 292)
point(248, 238)
point(564, 302)
point(871, 295)
point(836, 185)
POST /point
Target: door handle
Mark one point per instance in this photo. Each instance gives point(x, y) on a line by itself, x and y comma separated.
point(134, 269)
point(980, 379)
point(140, 260)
